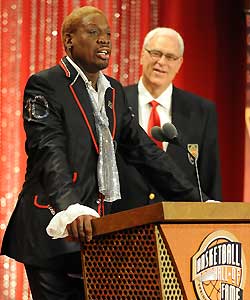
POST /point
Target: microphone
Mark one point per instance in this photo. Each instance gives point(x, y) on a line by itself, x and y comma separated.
point(157, 134)
point(168, 133)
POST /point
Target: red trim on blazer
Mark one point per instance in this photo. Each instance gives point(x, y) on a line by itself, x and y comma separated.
point(114, 114)
point(37, 204)
point(74, 179)
point(85, 118)
point(100, 206)
point(64, 67)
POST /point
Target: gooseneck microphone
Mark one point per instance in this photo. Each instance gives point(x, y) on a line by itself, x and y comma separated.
point(157, 134)
point(168, 133)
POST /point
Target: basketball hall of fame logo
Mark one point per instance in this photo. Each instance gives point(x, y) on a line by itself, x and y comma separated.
point(219, 268)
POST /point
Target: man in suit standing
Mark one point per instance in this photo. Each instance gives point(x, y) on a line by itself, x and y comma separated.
point(76, 121)
point(194, 117)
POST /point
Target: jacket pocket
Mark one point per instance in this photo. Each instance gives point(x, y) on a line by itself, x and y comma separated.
point(38, 203)
point(41, 204)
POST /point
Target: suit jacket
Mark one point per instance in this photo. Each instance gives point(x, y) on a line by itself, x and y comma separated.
point(62, 149)
point(196, 121)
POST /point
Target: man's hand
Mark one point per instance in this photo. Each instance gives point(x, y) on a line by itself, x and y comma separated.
point(81, 229)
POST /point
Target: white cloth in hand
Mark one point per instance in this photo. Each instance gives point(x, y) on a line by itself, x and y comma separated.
point(57, 225)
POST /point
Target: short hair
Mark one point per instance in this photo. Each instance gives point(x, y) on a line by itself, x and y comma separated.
point(74, 19)
point(164, 31)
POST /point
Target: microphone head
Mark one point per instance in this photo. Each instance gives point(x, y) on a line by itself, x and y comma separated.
point(157, 134)
point(170, 131)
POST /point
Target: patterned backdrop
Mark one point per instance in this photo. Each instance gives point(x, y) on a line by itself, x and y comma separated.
point(31, 41)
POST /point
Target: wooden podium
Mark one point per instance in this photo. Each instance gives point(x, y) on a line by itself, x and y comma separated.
point(170, 251)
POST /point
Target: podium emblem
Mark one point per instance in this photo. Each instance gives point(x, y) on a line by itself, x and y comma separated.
point(219, 268)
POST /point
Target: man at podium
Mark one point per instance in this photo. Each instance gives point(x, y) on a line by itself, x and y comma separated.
point(76, 121)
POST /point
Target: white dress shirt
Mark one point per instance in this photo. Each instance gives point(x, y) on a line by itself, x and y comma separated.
point(164, 108)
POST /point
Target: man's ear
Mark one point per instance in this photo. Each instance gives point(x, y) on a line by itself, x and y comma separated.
point(68, 40)
point(142, 55)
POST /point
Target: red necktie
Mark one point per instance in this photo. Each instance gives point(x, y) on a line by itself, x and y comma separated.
point(154, 120)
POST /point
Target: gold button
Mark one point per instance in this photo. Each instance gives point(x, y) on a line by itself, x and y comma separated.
point(151, 196)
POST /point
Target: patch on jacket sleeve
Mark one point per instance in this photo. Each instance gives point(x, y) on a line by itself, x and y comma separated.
point(36, 108)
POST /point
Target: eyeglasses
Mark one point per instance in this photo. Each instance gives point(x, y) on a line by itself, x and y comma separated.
point(156, 54)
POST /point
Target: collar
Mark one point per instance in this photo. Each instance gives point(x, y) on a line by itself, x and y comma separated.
point(164, 99)
point(102, 81)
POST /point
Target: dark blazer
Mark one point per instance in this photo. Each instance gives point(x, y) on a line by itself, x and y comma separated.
point(196, 121)
point(62, 149)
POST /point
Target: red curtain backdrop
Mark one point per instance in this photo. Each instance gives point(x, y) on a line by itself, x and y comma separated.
point(214, 67)
point(247, 109)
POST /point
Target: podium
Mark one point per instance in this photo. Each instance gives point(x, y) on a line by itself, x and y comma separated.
point(170, 251)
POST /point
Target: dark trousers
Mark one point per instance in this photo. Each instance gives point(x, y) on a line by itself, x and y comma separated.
point(58, 280)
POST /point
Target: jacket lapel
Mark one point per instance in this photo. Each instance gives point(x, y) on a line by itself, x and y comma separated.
point(81, 97)
point(180, 117)
point(110, 109)
point(132, 98)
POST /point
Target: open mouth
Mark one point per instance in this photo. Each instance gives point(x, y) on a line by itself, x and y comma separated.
point(103, 54)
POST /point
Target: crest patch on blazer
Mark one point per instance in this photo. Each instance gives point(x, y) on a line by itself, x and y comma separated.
point(36, 108)
point(194, 150)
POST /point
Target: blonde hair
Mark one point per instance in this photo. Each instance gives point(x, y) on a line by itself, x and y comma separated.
point(74, 19)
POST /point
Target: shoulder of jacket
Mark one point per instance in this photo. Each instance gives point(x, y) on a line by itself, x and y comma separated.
point(192, 97)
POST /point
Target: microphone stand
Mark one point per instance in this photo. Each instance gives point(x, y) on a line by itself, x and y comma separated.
point(177, 143)
point(197, 176)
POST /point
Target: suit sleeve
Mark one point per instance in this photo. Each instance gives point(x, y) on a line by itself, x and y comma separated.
point(209, 162)
point(156, 165)
point(46, 143)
